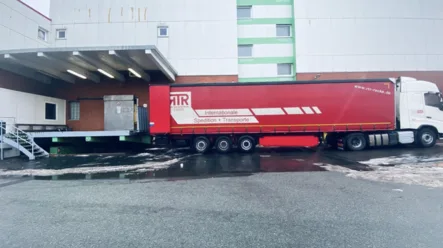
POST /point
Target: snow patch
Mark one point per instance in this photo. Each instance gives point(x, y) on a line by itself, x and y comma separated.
point(107, 157)
point(90, 170)
point(426, 174)
point(404, 159)
point(145, 154)
point(155, 149)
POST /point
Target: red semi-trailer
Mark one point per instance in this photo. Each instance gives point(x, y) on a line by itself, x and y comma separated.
point(354, 113)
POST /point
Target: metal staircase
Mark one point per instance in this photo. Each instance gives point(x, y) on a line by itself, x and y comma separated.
point(17, 138)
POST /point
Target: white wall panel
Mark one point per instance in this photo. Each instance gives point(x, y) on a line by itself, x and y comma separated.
point(256, 31)
point(20, 26)
point(377, 35)
point(201, 32)
point(209, 66)
point(272, 50)
point(30, 108)
point(257, 70)
point(272, 11)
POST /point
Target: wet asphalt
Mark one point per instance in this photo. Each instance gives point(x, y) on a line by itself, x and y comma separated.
point(272, 198)
point(194, 166)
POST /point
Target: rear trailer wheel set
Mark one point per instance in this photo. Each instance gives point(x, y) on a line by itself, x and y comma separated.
point(223, 144)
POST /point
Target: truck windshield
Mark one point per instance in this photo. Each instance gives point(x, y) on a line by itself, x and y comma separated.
point(434, 99)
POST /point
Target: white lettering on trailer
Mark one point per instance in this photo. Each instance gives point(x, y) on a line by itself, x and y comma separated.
point(180, 98)
point(385, 92)
point(183, 113)
point(268, 111)
point(294, 111)
point(308, 110)
point(316, 110)
point(223, 112)
point(225, 120)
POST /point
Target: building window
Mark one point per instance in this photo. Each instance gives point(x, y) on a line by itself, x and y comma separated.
point(245, 50)
point(284, 69)
point(74, 111)
point(61, 34)
point(163, 31)
point(50, 111)
point(42, 34)
point(283, 30)
point(244, 12)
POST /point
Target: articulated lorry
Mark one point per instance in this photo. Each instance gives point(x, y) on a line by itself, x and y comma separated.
point(347, 114)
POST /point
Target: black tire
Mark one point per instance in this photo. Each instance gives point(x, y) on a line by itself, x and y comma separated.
point(246, 144)
point(223, 144)
point(201, 144)
point(356, 142)
point(426, 137)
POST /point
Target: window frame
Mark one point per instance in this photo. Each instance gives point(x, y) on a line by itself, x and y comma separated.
point(289, 26)
point(249, 7)
point(159, 28)
point(70, 110)
point(44, 31)
point(55, 111)
point(58, 33)
point(245, 45)
point(291, 67)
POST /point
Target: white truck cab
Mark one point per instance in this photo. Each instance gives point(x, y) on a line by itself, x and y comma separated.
point(419, 108)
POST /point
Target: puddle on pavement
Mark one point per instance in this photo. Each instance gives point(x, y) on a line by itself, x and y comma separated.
point(93, 160)
point(192, 167)
point(230, 165)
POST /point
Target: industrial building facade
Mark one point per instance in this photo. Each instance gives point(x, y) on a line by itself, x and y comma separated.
point(192, 41)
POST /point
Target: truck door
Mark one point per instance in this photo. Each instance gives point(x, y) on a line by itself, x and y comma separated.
point(433, 112)
point(415, 111)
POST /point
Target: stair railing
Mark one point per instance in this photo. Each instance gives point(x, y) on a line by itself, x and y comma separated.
point(16, 134)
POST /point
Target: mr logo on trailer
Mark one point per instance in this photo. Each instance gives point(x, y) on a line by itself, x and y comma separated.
point(180, 99)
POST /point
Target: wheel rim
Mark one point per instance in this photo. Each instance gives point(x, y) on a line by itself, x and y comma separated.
point(201, 146)
point(223, 145)
point(246, 145)
point(427, 138)
point(356, 143)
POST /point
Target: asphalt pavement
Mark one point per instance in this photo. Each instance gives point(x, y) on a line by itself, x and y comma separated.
point(228, 201)
point(309, 209)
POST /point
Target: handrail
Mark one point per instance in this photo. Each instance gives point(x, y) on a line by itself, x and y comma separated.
point(18, 139)
point(17, 136)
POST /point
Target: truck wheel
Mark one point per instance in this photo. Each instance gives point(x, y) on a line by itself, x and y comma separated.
point(426, 137)
point(246, 144)
point(356, 142)
point(201, 144)
point(223, 144)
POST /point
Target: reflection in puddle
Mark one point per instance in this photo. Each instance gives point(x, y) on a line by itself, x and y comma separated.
point(189, 165)
point(216, 165)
